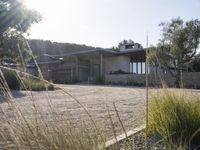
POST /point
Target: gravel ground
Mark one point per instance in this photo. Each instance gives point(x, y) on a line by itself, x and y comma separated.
point(129, 101)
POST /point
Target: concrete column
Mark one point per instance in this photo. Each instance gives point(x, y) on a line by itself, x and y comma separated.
point(77, 76)
point(136, 67)
point(91, 67)
point(101, 65)
point(71, 73)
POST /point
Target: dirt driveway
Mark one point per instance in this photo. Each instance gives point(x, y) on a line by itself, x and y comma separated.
point(129, 101)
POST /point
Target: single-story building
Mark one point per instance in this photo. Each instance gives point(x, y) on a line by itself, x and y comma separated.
point(125, 65)
point(91, 65)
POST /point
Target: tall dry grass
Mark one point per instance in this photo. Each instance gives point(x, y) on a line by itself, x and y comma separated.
point(43, 130)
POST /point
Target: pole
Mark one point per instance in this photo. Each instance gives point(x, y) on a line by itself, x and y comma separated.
point(147, 90)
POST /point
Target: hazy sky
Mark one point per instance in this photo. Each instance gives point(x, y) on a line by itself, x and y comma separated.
point(104, 23)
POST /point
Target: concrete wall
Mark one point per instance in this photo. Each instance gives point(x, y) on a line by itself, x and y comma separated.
point(62, 72)
point(95, 67)
point(65, 72)
point(83, 69)
point(190, 79)
point(116, 63)
point(71, 70)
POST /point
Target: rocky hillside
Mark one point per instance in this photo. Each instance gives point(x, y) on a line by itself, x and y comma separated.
point(40, 47)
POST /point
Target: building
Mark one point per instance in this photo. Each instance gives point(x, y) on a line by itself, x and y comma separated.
point(92, 65)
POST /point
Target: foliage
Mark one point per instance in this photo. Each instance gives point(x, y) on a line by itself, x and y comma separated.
point(194, 66)
point(120, 72)
point(11, 79)
point(41, 47)
point(15, 15)
point(114, 49)
point(16, 83)
point(124, 42)
point(10, 43)
point(177, 46)
point(176, 117)
point(16, 19)
point(44, 134)
point(100, 80)
point(35, 85)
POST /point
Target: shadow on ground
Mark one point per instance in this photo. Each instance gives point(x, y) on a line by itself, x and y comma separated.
point(15, 94)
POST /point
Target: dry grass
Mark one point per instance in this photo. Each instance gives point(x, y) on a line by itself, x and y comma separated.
point(44, 130)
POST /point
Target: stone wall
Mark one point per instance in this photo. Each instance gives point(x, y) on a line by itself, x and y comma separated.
point(190, 79)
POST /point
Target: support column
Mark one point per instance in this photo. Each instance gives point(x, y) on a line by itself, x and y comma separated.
point(101, 65)
point(77, 76)
point(136, 67)
point(91, 67)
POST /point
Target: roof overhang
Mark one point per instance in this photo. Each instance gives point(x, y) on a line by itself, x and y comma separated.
point(105, 52)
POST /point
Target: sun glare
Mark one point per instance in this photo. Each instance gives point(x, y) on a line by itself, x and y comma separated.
point(50, 9)
point(35, 4)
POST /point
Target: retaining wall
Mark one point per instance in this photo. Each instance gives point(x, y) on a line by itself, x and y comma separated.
point(190, 79)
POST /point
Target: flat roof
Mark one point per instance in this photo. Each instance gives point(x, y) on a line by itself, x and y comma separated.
point(103, 51)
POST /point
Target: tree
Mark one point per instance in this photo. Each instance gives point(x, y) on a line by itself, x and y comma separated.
point(124, 42)
point(16, 19)
point(177, 46)
point(194, 66)
point(14, 14)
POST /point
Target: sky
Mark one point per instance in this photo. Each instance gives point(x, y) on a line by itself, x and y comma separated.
point(104, 23)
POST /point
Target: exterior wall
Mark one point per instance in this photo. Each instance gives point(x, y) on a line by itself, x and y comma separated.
point(62, 72)
point(32, 71)
point(116, 63)
point(95, 67)
point(190, 79)
point(73, 69)
point(84, 67)
point(83, 70)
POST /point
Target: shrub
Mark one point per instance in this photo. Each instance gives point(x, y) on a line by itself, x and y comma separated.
point(100, 80)
point(119, 72)
point(11, 79)
point(35, 85)
point(176, 117)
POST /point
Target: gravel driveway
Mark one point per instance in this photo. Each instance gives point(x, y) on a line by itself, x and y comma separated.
point(129, 101)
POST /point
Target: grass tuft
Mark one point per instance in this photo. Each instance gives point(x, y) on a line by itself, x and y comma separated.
point(176, 117)
point(36, 85)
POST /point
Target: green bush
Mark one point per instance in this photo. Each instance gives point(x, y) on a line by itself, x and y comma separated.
point(120, 72)
point(99, 80)
point(176, 117)
point(11, 79)
point(35, 85)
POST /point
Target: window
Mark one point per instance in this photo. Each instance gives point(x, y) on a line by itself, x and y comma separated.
point(143, 67)
point(134, 67)
point(138, 67)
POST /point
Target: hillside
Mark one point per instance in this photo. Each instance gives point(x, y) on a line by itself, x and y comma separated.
point(40, 47)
